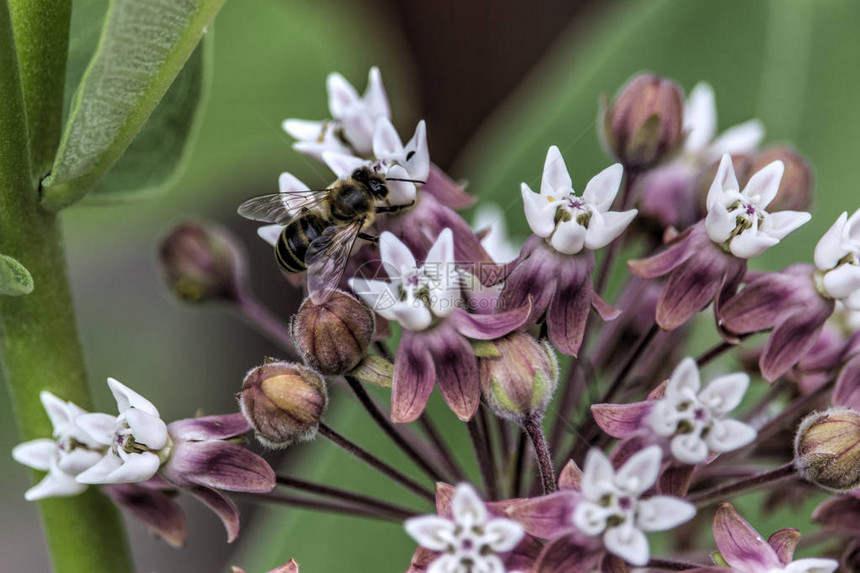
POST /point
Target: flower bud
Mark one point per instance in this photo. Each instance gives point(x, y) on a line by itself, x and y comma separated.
point(827, 449)
point(795, 188)
point(201, 262)
point(283, 402)
point(519, 378)
point(644, 123)
point(333, 336)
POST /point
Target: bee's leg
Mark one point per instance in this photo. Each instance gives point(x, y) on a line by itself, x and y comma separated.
point(394, 208)
point(369, 238)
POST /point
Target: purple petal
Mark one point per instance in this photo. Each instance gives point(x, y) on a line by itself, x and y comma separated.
point(223, 508)
point(621, 420)
point(847, 390)
point(567, 315)
point(603, 309)
point(792, 338)
point(220, 465)
point(446, 190)
point(675, 479)
point(783, 542)
point(676, 253)
point(691, 287)
point(414, 377)
point(741, 545)
point(444, 495)
point(534, 275)
point(566, 555)
point(547, 516)
point(209, 427)
point(840, 514)
point(491, 326)
point(457, 373)
point(760, 305)
point(570, 476)
point(154, 508)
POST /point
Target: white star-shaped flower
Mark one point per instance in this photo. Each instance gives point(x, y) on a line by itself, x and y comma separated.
point(137, 441)
point(353, 120)
point(71, 451)
point(415, 294)
point(470, 541)
point(837, 258)
point(570, 222)
point(614, 509)
point(738, 218)
point(693, 418)
point(489, 221)
point(405, 167)
point(700, 126)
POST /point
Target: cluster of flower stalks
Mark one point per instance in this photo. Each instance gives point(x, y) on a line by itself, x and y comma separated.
point(578, 463)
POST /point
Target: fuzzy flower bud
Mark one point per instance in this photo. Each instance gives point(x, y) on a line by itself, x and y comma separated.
point(827, 449)
point(644, 122)
point(283, 402)
point(795, 188)
point(333, 336)
point(201, 262)
point(519, 378)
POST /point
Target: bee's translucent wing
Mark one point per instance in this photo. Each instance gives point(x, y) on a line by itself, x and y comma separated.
point(281, 207)
point(327, 257)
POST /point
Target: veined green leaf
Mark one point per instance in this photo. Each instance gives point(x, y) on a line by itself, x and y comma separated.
point(143, 46)
point(15, 280)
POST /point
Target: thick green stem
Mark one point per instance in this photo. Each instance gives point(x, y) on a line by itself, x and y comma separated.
point(38, 336)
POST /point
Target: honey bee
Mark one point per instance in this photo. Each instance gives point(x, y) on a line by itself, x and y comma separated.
point(322, 226)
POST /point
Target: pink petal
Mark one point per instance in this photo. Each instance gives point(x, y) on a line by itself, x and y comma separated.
point(223, 508)
point(154, 508)
point(209, 427)
point(490, 326)
point(621, 420)
point(783, 543)
point(414, 378)
point(567, 314)
point(570, 476)
point(741, 545)
point(847, 390)
point(792, 338)
point(446, 190)
point(840, 514)
point(220, 465)
point(566, 554)
point(665, 261)
point(457, 374)
point(691, 287)
point(547, 516)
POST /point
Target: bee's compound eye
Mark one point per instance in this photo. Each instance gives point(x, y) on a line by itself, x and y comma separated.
point(375, 185)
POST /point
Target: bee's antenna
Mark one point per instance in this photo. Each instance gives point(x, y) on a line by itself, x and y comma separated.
point(407, 180)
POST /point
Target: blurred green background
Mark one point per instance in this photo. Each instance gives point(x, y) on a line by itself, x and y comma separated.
point(498, 82)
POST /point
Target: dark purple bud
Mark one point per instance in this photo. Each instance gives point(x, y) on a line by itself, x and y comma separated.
point(644, 123)
point(283, 402)
point(201, 262)
point(827, 449)
point(520, 379)
point(333, 336)
point(795, 187)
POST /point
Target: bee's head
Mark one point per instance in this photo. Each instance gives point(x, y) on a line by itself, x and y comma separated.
point(372, 181)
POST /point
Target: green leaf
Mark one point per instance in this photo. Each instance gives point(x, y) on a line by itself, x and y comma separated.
point(143, 46)
point(15, 279)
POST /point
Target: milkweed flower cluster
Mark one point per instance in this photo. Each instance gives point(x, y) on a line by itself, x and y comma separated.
point(590, 430)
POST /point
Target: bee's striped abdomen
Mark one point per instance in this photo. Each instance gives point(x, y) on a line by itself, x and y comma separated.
point(294, 240)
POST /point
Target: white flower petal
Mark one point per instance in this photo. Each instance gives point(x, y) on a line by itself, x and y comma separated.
point(386, 141)
point(640, 471)
point(555, 175)
point(442, 251)
point(829, 249)
point(503, 535)
point(419, 163)
point(374, 292)
point(664, 418)
point(750, 244)
point(842, 281)
point(663, 512)
point(287, 183)
point(302, 129)
point(684, 382)
point(764, 183)
point(489, 564)
point(400, 192)
point(724, 181)
point(148, 430)
point(56, 409)
point(781, 223)
point(606, 227)
point(99, 472)
point(396, 256)
point(628, 543)
point(341, 95)
point(36, 454)
point(601, 190)
point(689, 448)
point(590, 518)
point(78, 460)
point(138, 467)
point(597, 475)
point(426, 530)
point(724, 393)
point(127, 398)
point(467, 507)
point(412, 314)
point(445, 563)
point(718, 223)
point(375, 98)
point(55, 484)
point(812, 565)
point(729, 435)
point(540, 213)
point(852, 302)
point(700, 117)
point(99, 427)
point(569, 237)
point(741, 138)
point(342, 164)
point(270, 233)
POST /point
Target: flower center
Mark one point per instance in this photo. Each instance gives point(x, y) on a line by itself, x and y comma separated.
point(573, 208)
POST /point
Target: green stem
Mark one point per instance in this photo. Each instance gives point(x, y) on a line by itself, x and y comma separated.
point(38, 335)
